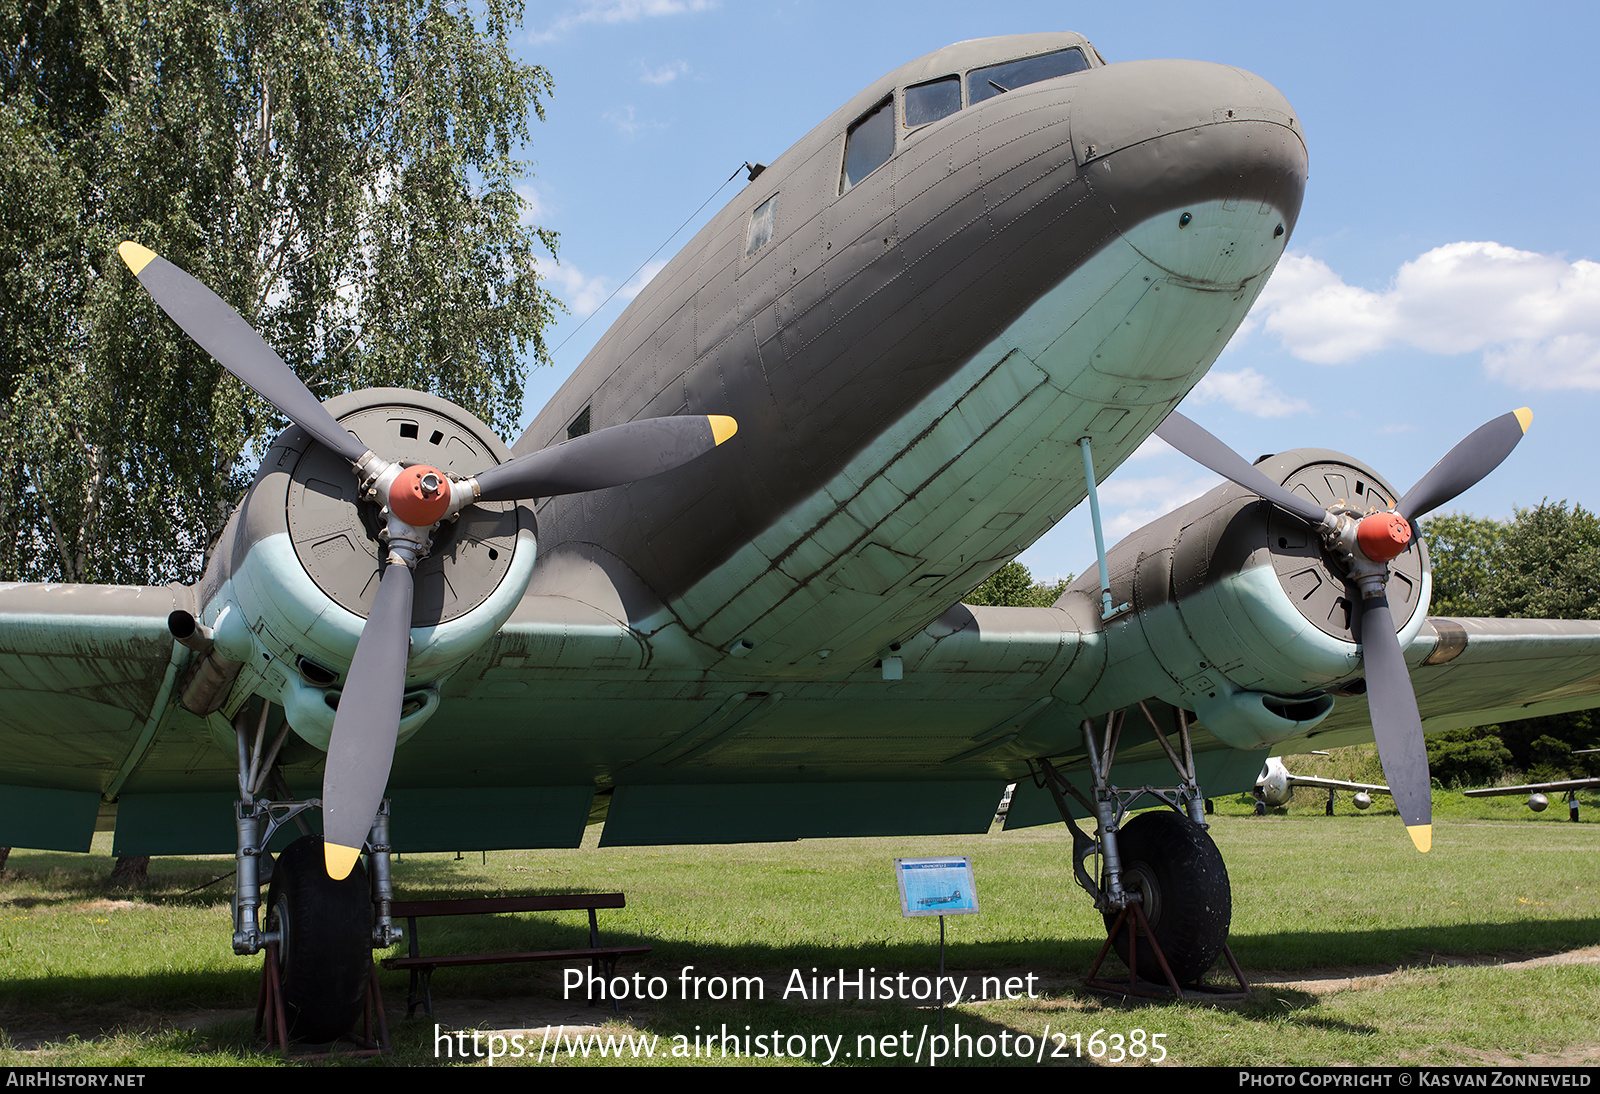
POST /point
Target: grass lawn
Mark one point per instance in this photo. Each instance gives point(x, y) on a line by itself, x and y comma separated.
point(1362, 951)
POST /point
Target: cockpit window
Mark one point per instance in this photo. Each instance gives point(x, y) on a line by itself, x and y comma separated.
point(933, 100)
point(869, 144)
point(986, 83)
point(760, 233)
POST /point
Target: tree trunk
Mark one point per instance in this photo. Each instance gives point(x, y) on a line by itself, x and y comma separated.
point(130, 872)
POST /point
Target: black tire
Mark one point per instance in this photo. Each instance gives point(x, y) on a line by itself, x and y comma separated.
point(326, 952)
point(1173, 863)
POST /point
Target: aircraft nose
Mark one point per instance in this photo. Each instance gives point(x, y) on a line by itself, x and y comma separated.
point(1202, 167)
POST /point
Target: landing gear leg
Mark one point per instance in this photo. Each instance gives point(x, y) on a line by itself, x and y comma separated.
point(318, 933)
point(1163, 889)
point(256, 818)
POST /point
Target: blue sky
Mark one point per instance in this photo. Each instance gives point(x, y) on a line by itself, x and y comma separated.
point(1443, 270)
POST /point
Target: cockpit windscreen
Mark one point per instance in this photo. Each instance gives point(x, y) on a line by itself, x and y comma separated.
point(986, 83)
point(933, 100)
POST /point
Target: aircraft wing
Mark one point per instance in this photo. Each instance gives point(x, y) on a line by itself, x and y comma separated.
point(1534, 788)
point(1334, 784)
point(86, 672)
point(1470, 672)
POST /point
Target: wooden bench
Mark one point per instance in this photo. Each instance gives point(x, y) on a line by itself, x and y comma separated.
point(602, 959)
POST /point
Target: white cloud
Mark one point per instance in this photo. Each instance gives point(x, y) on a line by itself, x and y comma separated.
point(612, 12)
point(1535, 318)
point(1151, 446)
point(638, 281)
point(1249, 392)
point(664, 74)
point(1141, 501)
point(627, 121)
point(534, 210)
point(581, 294)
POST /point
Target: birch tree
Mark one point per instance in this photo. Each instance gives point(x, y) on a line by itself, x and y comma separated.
point(343, 173)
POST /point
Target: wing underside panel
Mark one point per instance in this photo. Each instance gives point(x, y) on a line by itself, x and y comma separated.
point(690, 759)
point(82, 675)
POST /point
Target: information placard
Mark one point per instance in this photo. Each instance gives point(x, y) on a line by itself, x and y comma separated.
point(936, 886)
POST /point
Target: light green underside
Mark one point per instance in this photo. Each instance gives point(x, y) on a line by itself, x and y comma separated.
point(822, 759)
point(565, 703)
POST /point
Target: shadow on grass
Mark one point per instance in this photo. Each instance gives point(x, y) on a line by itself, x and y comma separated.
point(668, 959)
point(1277, 1003)
point(30, 997)
point(1412, 945)
point(107, 999)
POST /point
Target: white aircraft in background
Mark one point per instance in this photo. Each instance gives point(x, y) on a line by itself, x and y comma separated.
point(1276, 784)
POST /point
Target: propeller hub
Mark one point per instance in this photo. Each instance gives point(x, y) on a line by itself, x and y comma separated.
point(1383, 536)
point(420, 495)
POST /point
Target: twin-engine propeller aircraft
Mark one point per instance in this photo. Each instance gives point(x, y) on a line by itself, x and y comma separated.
point(942, 315)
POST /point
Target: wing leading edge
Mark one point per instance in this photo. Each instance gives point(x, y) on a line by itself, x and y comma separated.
point(87, 676)
point(1470, 672)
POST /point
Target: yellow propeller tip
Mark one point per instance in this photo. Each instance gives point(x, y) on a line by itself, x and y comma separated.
point(1524, 417)
point(722, 427)
point(136, 256)
point(339, 860)
point(1421, 835)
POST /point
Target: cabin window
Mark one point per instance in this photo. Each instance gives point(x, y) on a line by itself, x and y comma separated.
point(986, 83)
point(580, 424)
point(933, 100)
point(869, 144)
point(760, 233)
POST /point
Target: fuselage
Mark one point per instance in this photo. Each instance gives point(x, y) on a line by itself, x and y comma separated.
point(916, 338)
point(916, 314)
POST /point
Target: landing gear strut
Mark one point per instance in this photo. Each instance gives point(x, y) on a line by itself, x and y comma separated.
point(321, 931)
point(1161, 885)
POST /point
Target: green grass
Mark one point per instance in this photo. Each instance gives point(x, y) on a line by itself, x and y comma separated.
point(147, 977)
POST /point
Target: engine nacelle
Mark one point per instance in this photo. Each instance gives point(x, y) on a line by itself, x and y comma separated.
point(1272, 785)
point(1249, 620)
point(294, 575)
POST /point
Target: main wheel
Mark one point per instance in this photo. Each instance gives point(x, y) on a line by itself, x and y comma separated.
point(326, 947)
point(1172, 863)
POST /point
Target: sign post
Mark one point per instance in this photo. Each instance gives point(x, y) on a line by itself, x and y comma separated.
point(941, 887)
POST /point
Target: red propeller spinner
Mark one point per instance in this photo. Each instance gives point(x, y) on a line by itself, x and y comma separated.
point(420, 495)
point(1383, 536)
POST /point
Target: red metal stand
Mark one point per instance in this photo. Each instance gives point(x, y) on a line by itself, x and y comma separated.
point(269, 1010)
point(1133, 916)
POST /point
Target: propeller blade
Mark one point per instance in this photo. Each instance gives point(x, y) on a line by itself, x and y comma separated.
point(1396, 725)
point(1200, 446)
point(361, 750)
point(607, 457)
point(223, 333)
point(1463, 466)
